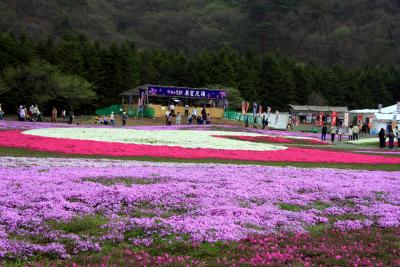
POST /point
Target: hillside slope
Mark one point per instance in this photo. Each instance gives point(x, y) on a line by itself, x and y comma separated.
point(353, 32)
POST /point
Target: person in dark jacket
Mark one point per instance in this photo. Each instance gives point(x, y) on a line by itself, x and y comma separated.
point(382, 138)
point(264, 121)
point(324, 131)
point(204, 114)
point(246, 121)
point(71, 116)
point(124, 118)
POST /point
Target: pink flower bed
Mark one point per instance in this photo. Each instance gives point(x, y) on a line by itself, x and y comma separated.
point(82, 147)
point(276, 139)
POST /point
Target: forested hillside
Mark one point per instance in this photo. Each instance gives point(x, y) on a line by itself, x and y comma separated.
point(78, 71)
point(349, 32)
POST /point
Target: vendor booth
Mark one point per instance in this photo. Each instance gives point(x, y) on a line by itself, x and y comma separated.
point(378, 118)
point(381, 120)
point(160, 98)
point(317, 115)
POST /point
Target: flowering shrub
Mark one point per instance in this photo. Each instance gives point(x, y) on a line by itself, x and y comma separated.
point(366, 247)
point(276, 139)
point(84, 147)
point(67, 206)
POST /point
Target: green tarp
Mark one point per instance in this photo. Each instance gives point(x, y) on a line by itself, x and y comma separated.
point(132, 112)
point(107, 111)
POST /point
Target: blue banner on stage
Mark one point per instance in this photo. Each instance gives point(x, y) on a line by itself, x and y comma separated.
point(186, 92)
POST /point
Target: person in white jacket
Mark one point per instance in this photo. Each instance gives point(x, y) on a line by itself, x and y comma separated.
point(112, 119)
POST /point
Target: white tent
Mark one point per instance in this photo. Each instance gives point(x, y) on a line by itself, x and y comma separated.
point(391, 109)
point(380, 120)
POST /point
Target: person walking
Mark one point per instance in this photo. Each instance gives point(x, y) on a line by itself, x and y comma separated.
point(204, 114)
point(64, 115)
point(21, 113)
point(391, 139)
point(112, 119)
point(124, 118)
point(70, 116)
point(54, 115)
point(324, 131)
point(35, 113)
point(389, 127)
point(382, 138)
point(190, 119)
point(208, 120)
point(186, 110)
point(178, 118)
point(166, 116)
point(30, 113)
point(105, 120)
point(98, 120)
point(194, 112)
point(170, 119)
point(246, 120)
point(396, 133)
point(1, 113)
point(26, 117)
point(264, 122)
point(333, 133)
point(355, 131)
point(340, 133)
point(172, 109)
point(350, 132)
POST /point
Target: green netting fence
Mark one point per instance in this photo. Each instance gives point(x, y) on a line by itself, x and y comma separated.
point(238, 116)
point(146, 113)
point(132, 111)
point(107, 111)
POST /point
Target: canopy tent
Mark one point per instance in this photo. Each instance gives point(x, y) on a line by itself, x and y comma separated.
point(391, 109)
point(381, 120)
point(380, 117)
point(160, 98)
point(388, 110)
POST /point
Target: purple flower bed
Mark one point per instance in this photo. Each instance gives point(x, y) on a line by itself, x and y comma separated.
point(18, 125)
point(128, 201)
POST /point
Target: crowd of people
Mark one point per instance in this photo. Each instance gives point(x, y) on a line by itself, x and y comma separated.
point(337, 132)
point(353, 133)
point(194, 117)
point(33, 114)
point(110, 120)
point(390, 134)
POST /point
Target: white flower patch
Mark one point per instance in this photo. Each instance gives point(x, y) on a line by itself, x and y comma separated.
point(364, 141)
point(178, 138)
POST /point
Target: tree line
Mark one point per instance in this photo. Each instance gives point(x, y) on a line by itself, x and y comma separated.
point(354, 33)
point(83, 74)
